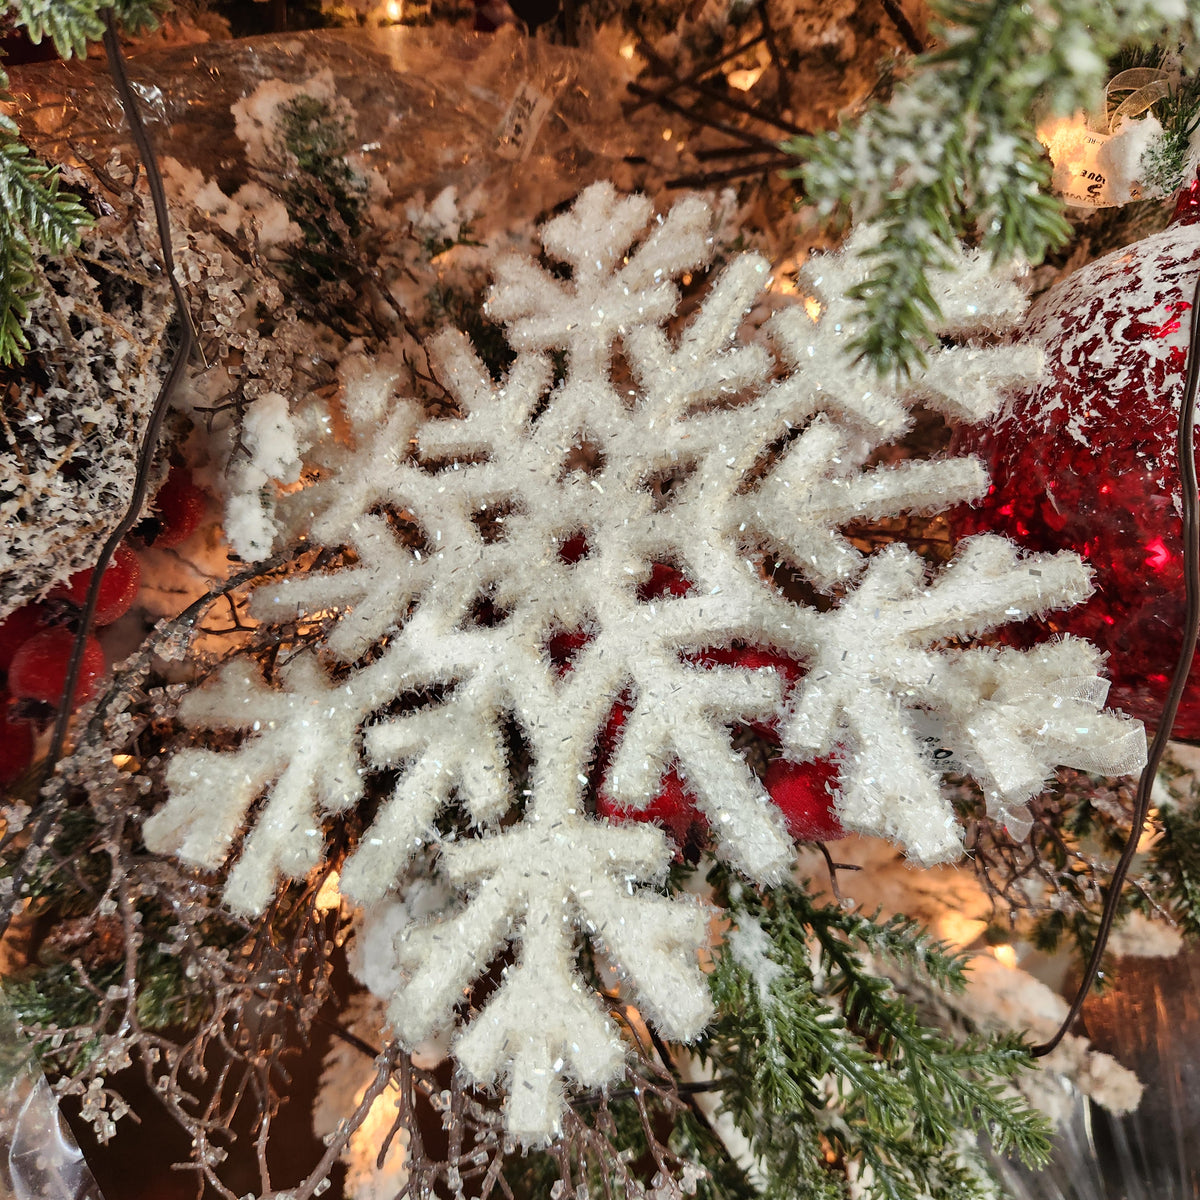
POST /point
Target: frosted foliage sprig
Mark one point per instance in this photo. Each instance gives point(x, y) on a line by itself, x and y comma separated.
point(543, 508)
point(954, 152)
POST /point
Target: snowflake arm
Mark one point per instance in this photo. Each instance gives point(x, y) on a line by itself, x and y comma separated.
point(1038, 708)
point(491, 411)
point(818, 487)
point(473, 762)
point(302, 743)
point(877, 664)
point(369, 597)
point(703, 366)
point(601, 301)
point(701, 702)
point(968, 383)
point(539, 883)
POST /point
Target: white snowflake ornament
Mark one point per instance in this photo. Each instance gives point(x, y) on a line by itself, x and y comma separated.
point(544, 510)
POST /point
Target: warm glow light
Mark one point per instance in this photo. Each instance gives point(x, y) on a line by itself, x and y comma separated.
point(121, 761)
point(1149, 832)
point(744, 80)
point(1005, 955)
point(1066, 138)
point(812, 306)
point(959, 930)
point(395, 10)
point(329, 896)
point(626, 51)
point(666, 135)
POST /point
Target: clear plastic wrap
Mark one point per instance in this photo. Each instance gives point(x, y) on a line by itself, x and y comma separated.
point(433, 108)
point(39, 1159)
point(1149, 1020)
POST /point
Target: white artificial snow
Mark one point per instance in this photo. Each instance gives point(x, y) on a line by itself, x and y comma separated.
point(443, 219)
point(256, 118)
point(250, 204)
point(270, 438)
point(1121, 156)
point(766, 456)
point(271, 444)
point(1000, 996)
point(1140, 937)
point(750, 945)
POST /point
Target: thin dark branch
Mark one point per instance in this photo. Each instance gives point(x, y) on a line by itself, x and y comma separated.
point(659, 94)
point(721, 96)
point(743, 135)
point(703, 179)
point(904, 27)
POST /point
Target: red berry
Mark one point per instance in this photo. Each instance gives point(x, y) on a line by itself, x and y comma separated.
point(802, 793)
point(16, 744)
point(180, 504)
point(39, 668)
point(17, 628)
point(118, 588)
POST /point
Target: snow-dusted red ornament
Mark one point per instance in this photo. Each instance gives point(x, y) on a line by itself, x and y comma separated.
point(1086, 460)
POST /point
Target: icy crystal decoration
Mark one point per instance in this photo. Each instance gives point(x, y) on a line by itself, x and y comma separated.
point(766, 455)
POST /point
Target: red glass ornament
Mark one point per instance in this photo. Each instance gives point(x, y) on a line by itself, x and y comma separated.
point(1086, 460)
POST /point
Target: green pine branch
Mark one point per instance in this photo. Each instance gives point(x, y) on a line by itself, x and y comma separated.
point(17, 291)
point(1175, 865)
point(829, 1072)
point(32, 202)
point(954, 154)
point(69, 24)
point(36, 215)
point(72, 25)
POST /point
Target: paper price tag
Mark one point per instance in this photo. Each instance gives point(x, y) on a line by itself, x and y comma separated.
point(934, 744)
point(1081, 179)
point(522, 122)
